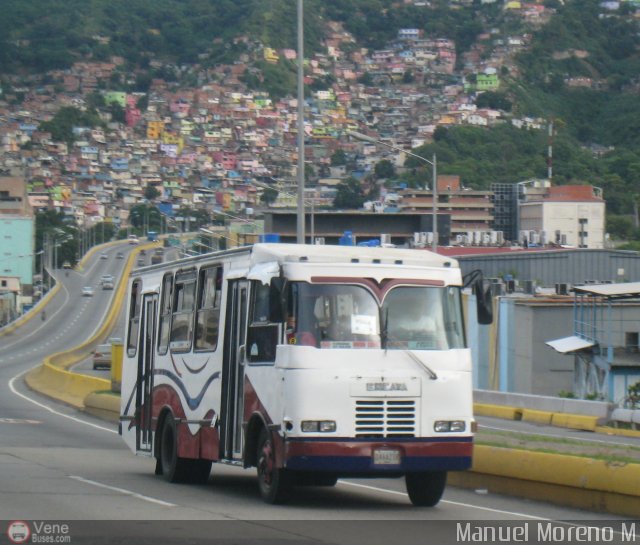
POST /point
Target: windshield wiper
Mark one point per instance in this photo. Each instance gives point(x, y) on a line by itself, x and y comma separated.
point(432, 374)
point(384, 333)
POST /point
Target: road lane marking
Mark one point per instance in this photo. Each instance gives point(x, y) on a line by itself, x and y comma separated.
point(492, 510)
point(18, 421)
point(122, 491)
point(52, 410)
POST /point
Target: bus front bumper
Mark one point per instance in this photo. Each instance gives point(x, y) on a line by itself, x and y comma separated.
point(383, 456)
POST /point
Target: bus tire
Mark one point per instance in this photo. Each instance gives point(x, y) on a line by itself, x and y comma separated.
point(308, 478)
point(199, 471)
point(425, 488)
point(273, 483)
point(174, 469)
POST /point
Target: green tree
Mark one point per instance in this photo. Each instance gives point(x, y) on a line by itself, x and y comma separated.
point(151, 193)
point(384, 169)
point(338, 158)
point(349, 194)
point(269, 196)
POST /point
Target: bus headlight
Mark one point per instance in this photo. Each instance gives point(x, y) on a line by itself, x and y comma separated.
point(323, 426)
point(444, 426)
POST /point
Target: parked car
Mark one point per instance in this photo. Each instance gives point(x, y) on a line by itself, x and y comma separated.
point(102, 357)
point(87, 291)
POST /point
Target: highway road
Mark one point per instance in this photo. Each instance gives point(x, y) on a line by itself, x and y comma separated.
point(58, 464)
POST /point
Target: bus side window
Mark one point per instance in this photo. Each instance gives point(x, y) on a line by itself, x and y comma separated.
point(208, 310)
point(134, 319)
point(262, 335)
point(182, 311)
point(165, 314)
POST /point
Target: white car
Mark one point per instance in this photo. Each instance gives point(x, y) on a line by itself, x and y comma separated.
point(87, 291)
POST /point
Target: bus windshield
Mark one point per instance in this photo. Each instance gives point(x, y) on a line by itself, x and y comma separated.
point(349, 316)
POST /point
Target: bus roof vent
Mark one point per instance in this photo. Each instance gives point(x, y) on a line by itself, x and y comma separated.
point(447, 263)
point(398, 261)
point(304, 258)
point(355, 260)
point(375, 261)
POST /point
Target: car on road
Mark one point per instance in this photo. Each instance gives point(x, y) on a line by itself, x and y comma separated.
point(107, 281)
point(102, 357)
point(104, 256)
point(140, 262)
point(119, 255)
point(66, 265)
point(133, 239)
point(87, 291)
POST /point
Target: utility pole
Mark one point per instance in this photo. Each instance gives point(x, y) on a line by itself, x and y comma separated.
point(300, 235)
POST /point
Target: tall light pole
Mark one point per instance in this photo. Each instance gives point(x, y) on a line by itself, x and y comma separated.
point(434, 183)
point(300, 235)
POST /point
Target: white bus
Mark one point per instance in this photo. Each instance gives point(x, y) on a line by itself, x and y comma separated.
point(309, 363)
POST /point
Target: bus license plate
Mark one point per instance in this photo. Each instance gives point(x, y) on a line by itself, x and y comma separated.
point(386, 457)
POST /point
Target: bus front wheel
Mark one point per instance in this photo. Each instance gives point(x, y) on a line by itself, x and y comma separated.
point(273, 482)
point(425, 488)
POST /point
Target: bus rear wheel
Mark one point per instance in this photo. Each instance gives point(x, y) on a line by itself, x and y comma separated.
point(425, 488)
point(176, 469)
point(273, 482)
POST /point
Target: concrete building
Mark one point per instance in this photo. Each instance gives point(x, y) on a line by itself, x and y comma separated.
point(330, 225)
point(572, 215)
point(17, 232)
point(470, 210)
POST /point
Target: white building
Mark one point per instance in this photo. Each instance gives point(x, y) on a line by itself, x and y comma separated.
point(571, 215)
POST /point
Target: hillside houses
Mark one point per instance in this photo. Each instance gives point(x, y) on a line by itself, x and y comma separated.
point(222, 136)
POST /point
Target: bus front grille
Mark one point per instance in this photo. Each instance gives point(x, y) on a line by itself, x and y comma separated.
point(385, 418)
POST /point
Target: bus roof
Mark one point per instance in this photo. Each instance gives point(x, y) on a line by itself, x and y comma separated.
point(284, 253)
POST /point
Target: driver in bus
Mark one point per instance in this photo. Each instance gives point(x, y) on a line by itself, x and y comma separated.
point(304, 338)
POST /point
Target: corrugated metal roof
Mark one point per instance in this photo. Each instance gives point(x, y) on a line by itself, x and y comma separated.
point(570, 344)
point(624, 289)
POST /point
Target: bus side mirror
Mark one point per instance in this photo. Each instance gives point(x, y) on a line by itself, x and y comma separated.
point(277, 301)
point(484, 302)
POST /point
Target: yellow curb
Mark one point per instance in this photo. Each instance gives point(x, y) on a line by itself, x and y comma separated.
point(71, 388)
point(574, 421)
point(572, 471)
point(617, 431)
point(537, 417)
point(32, 313)
point(565, 480)
point(105, 406)
point(497, 411)
point(565, 496)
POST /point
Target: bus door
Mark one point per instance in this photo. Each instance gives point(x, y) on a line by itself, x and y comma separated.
point(233, 370)
point(146, 362)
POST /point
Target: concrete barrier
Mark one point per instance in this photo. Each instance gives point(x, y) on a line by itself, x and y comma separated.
point(550, 404)
point(574, 481)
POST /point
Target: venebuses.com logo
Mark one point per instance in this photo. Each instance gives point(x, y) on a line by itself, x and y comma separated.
point(18, 531)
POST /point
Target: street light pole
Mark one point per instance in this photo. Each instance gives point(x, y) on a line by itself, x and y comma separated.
point(434, 183)
point(300, 235)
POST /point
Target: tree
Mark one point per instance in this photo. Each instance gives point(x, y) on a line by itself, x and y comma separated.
point(384, 169)
point(151, 193)
point(338, 158)
point(269, 196)
point(349, 194)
